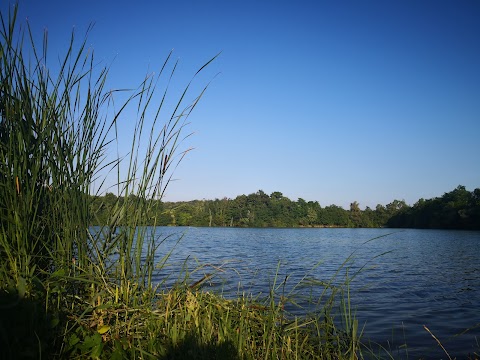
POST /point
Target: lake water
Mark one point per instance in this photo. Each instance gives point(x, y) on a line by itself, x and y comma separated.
point(409, 278)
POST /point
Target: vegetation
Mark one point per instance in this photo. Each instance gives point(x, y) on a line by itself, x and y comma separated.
point(257, 210)
point(67, 291)
point(458, 209)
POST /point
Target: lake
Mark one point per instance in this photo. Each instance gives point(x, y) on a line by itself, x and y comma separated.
point(408, 278)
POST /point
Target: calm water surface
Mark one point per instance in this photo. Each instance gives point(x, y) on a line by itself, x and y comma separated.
point(410, 278)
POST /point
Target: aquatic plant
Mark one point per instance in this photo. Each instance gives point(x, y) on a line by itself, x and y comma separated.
point(70, 291)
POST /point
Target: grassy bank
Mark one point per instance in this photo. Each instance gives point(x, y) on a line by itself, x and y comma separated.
point(66, 292)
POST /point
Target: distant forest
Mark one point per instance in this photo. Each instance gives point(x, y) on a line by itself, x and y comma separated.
point(457, 209)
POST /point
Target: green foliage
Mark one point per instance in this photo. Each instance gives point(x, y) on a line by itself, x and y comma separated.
point(457, 209)
point(256, 210)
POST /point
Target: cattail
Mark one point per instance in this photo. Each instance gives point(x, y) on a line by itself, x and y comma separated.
point(165, 164)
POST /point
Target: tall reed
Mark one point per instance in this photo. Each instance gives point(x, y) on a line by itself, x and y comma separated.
point(70, 291)
point(54, 133)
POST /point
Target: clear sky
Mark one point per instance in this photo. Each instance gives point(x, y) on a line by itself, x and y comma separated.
point(330, 101)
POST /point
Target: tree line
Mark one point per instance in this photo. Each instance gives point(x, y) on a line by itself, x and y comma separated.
point(458, 209)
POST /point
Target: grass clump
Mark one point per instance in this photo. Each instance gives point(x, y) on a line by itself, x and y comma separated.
point(67, 291)
point(187, 323)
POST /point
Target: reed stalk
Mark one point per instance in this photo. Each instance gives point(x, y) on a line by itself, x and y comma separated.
point(71, 291)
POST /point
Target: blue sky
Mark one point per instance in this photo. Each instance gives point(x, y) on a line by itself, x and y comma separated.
point(330, 101)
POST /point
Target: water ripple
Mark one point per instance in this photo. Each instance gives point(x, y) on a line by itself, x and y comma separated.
point(403, 281)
